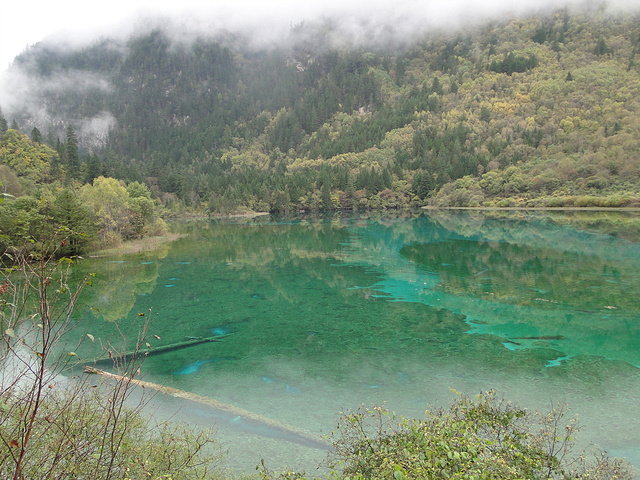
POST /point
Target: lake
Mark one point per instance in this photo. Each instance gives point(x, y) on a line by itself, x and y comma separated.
point(323, 314)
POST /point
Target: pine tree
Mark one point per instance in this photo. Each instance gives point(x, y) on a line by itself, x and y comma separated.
point(436, 87)
point(36, 136)
point(3, 123)
point(325, 194)
point(601, 47)
point(71, 153)
point(69, 213)
point(94, 168)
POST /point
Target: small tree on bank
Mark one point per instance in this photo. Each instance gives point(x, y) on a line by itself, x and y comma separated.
point(53, 426)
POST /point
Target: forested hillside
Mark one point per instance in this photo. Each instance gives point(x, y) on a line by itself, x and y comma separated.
point(532, 111)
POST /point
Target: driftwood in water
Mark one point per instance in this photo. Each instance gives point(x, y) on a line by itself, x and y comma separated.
point(289, 432)
point(110, 357)
point(541, 337)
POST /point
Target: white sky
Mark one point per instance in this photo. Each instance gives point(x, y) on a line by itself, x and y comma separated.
point(25, 22)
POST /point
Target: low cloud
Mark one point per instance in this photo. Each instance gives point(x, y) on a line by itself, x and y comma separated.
point(258, 24)
point(265, 23)
point(27, 97)
point(94, 131)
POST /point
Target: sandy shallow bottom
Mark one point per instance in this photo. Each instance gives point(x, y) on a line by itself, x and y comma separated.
point(608, 413)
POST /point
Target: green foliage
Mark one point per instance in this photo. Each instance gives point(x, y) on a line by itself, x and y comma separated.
point(601, 47)
point(513, 63)
point(25, 157)
point(24, 221)
point(138, 190)
point(36, 136)
point(71, 155)
point(4, 126)
point(107, 198)
point(481, 437)
point(10, 182)
point(476, 438)
point(78, 437)
point(464, 192)
point(21, 222)
point(121, 212)
point(75, 222)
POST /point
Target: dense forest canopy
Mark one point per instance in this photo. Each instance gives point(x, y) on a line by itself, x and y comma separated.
point(539, 110)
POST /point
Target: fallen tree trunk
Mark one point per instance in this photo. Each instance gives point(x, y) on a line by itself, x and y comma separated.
point(110, 357)
point(280, 430)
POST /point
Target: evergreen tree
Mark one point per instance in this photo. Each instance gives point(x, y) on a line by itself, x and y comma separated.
point(327, 203)
point(74, 220)
point(3, 123)
point(93, 170)
point(36, 136)
point(436, 87)
point(50, 139)
point(601, 48)
point(401, 70)
point(71, 154)
point(350, 191)
point(540, 36)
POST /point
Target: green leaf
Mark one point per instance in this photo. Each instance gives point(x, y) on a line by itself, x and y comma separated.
point(10, 332)
point(72, 354)
point(90, 337)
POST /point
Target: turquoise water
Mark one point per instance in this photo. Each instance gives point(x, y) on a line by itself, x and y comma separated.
point(324, 314)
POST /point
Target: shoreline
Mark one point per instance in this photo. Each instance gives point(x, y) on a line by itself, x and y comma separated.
point(216, 216)
point(151, 243)
point(544, 209)
point(136, 246)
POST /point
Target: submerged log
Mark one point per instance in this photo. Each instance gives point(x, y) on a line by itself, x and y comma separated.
point(542, 337)
point(286, 432)
point(110, 357)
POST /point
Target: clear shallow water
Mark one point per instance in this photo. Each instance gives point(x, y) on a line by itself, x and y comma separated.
point(326, 314)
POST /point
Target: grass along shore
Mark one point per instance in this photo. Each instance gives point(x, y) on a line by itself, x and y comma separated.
point(136, 246)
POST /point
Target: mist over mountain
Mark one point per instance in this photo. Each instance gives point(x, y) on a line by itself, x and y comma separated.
point(384, 109)
point(71, 24)
point(258, 27)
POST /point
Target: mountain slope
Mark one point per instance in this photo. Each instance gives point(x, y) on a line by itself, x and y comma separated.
point(531, 111)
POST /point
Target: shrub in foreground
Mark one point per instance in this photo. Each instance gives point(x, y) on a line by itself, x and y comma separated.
point(479, 437)
point(92, 437)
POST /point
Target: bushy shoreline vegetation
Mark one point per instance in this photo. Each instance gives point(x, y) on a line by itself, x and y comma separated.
point(477, 437)
point(41, 199)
